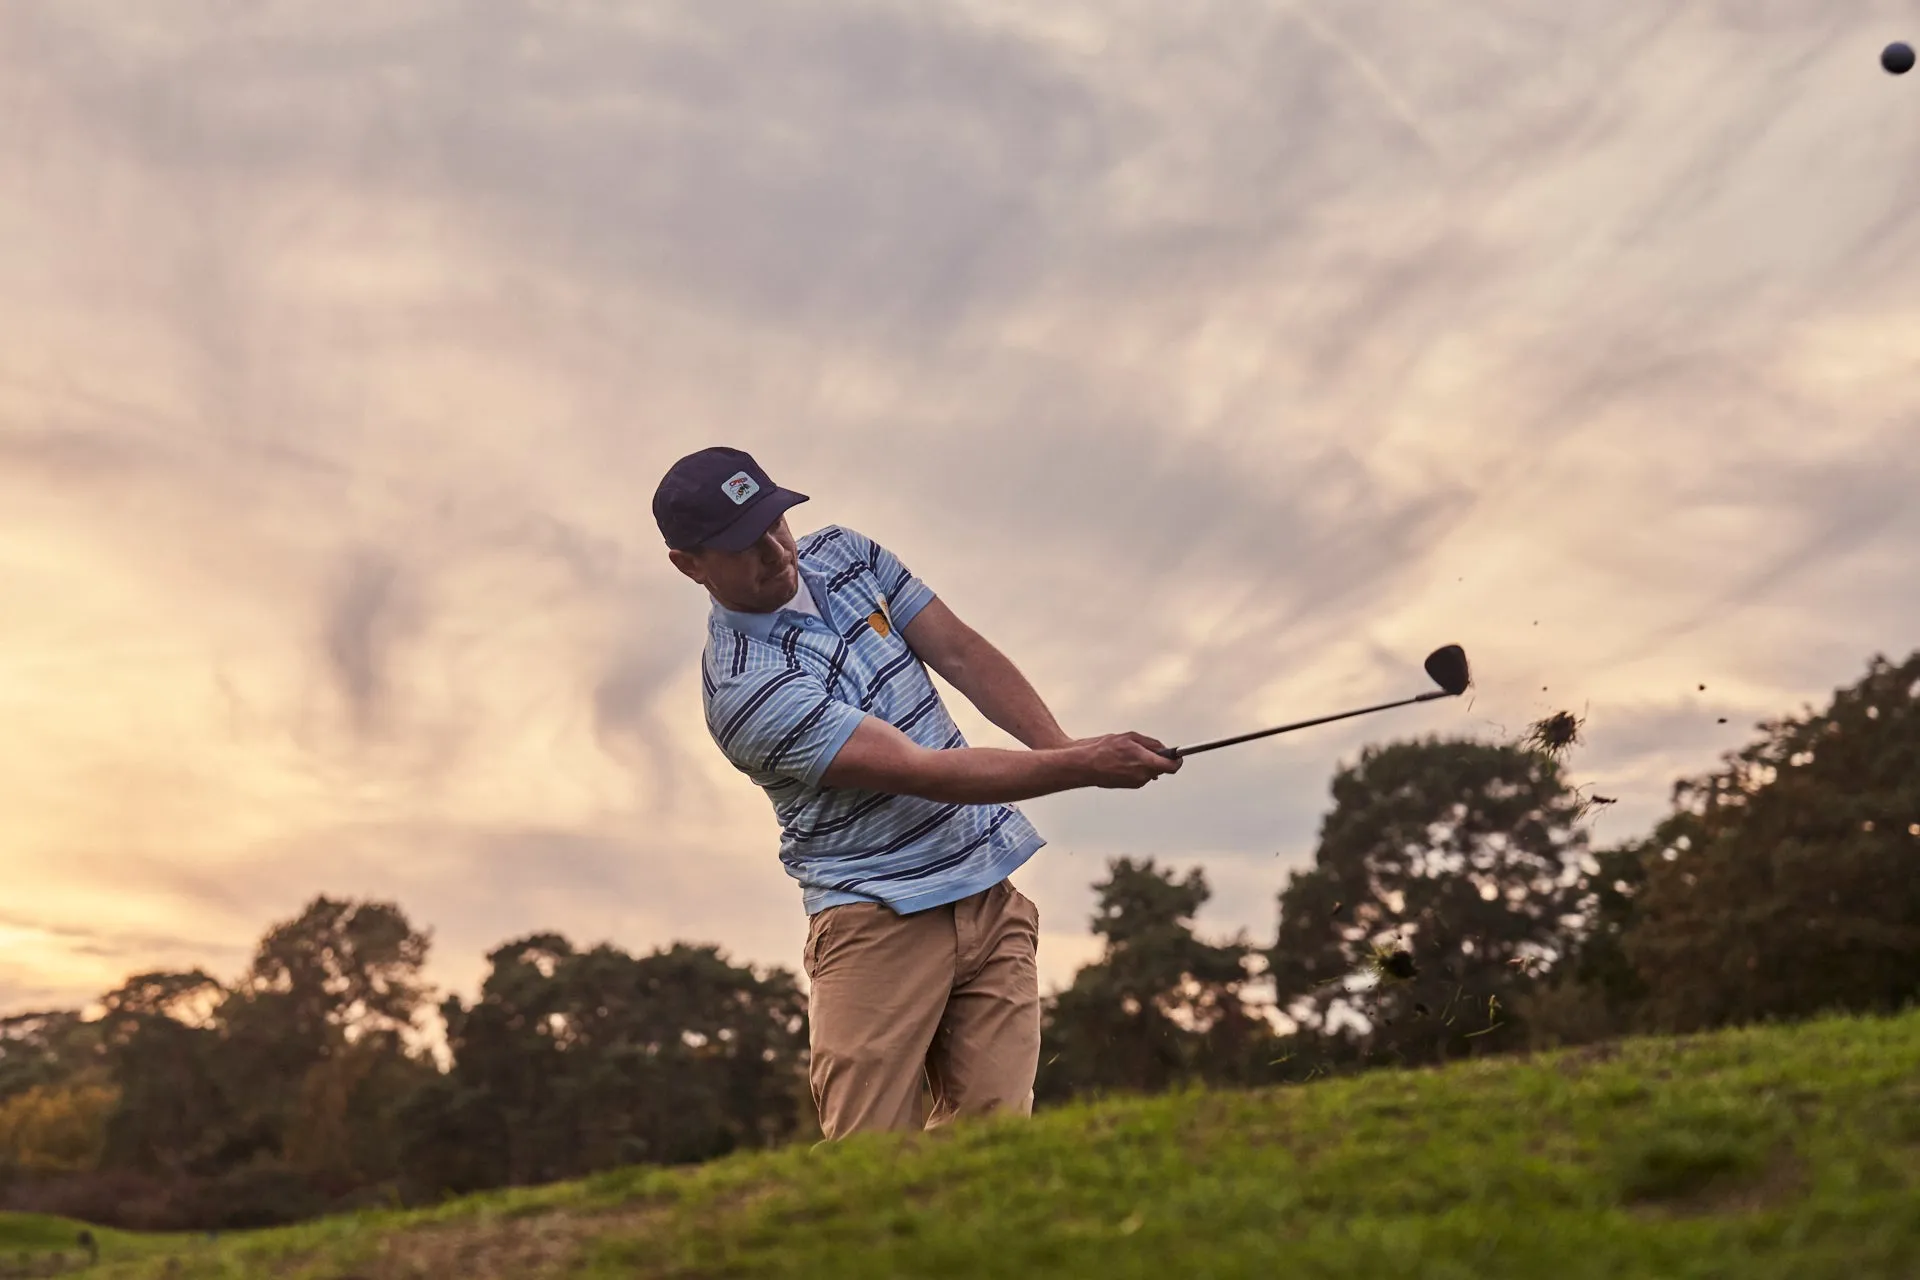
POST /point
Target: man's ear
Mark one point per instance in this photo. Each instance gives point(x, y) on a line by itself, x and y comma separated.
point(685, 563)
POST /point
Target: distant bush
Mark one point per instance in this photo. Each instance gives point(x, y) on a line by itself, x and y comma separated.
point(240, 1199)
point(1565, 1014)
point(250, 1197)
point(55, 1128)
point(106, 1198)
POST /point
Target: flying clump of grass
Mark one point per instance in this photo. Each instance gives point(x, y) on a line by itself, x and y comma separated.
point(1392, 963)
point(1384, 963)
point(1554, 734)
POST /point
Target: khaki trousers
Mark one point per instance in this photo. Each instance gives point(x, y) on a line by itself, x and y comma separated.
point(949, 996)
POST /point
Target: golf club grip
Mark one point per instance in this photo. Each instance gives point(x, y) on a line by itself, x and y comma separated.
point(1176, 753)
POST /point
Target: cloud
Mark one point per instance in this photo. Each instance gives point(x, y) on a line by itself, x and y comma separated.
point(88, 941)
point(1218, 362)
point(359, 628)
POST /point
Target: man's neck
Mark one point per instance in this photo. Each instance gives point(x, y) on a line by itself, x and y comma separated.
point(801, 594)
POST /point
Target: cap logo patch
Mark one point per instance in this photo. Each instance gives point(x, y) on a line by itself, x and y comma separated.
point(739, 487)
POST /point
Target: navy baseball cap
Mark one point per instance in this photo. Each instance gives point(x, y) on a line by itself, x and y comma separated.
point(718, 499)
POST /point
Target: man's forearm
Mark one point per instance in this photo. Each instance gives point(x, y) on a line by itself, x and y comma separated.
point(990, 775)
point(991, 682)
point(878, 757)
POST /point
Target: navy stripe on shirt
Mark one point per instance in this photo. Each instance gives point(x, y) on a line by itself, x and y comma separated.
point(935, 868)
point(842, 822)
point(913, 717)
point(757, 701)
point(882, 677)
point(939, 818)
point(840, 652)
point(786, 744)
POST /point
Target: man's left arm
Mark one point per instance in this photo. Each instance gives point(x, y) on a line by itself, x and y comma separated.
point(987, 678)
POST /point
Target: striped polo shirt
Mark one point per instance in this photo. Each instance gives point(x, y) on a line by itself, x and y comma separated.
point(783, 693)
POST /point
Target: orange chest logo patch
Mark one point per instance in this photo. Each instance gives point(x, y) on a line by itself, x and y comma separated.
point(879, 621)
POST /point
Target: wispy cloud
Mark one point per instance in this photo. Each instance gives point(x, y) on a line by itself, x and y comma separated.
point(1217, 361)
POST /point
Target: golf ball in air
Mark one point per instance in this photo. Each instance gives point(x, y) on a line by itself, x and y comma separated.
point(1897, 58)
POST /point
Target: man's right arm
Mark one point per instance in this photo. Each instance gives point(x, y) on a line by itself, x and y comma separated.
point(879, 757)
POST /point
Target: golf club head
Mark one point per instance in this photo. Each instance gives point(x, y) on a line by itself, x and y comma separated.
point(1448, 668)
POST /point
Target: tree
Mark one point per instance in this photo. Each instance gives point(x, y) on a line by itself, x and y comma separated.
point(1160, 1006)
point(314, 1057)
point(1594, 992)
point(295, 1073)
point(340, 971)
point(344, 1131)
point(481, 1124)
point(1784, 884)
point(45, 1048)
point(571, 1062)
point(1464, 854)
point(171, 1111)
point(58, 1128)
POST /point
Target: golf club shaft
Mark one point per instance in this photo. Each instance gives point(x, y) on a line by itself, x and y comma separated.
point(1181, 752)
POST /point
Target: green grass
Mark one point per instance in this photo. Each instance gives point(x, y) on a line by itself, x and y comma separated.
point(32, 1243)
point(1761, 1154)
point(34, 1232)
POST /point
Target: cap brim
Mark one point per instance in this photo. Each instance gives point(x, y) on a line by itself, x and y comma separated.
point(754, 521)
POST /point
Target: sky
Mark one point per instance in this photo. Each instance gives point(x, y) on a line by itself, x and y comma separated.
point(1217, 361)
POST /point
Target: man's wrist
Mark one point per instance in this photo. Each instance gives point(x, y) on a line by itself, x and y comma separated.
point(1071, 760)
point(1054, 739)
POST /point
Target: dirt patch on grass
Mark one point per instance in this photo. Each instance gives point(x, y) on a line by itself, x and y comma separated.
point(48, 1264)
point(1903, 1116)
point(1577, 1062)
point(1718, 1193)
point(528, 1245)
point(490, 1247)
point(1214, 1119)
point(523, 1243)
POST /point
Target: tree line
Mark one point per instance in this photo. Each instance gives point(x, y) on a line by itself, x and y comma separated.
point(1454, 907)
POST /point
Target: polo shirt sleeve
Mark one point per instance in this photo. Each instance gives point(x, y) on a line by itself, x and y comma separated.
point(906, 594)
point(782, 722)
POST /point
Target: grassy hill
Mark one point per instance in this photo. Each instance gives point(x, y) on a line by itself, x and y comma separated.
point(1759, 1153)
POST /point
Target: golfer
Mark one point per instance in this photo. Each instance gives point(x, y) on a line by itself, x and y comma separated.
point(920, 952)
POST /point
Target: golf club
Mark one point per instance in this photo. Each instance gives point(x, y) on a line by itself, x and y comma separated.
point(1446, 665)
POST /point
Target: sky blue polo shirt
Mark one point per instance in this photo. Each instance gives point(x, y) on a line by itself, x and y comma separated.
point(784, 691)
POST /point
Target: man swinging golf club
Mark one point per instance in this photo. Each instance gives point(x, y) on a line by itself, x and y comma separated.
point(920, 952)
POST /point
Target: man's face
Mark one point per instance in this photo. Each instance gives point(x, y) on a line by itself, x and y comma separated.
point(758, 580)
